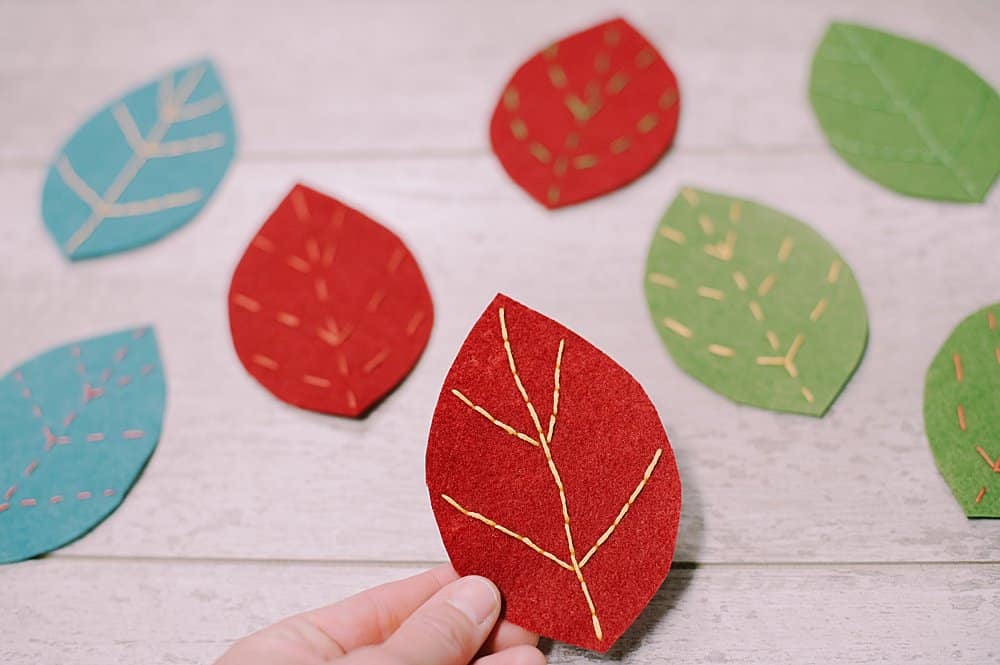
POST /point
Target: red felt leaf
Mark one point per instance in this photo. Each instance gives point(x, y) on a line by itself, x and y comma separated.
point(328, 309)
point(513, 423)
point(586, 115)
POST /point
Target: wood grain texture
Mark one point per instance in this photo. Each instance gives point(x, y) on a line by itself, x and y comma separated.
point(163, 612)
point(236, 466)
point(385, 105)
point(361, 78)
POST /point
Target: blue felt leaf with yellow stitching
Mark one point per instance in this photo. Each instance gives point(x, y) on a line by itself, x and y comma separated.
point(905, 114)
point(77, 425)
point(141, 167)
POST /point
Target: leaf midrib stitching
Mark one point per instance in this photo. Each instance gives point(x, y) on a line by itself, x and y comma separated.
point(912, 114)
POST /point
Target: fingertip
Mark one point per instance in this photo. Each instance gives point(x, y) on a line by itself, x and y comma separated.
point(519, 655)
point(444, 573)
point(477, 598)
point(448, 629)
point(507, 635)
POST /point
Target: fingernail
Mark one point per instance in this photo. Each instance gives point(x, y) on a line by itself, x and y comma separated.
point(476, 598)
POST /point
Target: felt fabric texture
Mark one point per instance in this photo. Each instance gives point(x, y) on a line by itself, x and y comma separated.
point(754, 304)
point(142, 166)
point(962, 412)
point(328, 309)
point(608, 449)
point(77, 425)
point(906, 115)
point(586, 115)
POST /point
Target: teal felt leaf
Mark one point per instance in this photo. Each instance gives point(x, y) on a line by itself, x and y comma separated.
point(142, 166)
point(77, 425)
point(905, 114)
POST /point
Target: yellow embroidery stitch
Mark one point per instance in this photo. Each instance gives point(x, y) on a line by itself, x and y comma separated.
point(574, 564)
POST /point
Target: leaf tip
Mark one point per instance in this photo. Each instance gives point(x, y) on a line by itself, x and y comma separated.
point(841, 25)
point(79, 253)
point(502, 300)
point(143, 330)
point(617, 20)
point(205, 62)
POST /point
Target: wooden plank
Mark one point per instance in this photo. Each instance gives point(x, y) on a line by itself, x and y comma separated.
point(189, 612)
point(239, 474)
point(363, 78)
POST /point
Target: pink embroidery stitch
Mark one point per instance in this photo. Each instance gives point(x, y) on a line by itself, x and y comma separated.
point(89, 392)
point(55, 498)
point(51, 439)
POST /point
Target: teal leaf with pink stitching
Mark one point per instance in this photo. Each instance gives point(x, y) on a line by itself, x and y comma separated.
point(77, 425)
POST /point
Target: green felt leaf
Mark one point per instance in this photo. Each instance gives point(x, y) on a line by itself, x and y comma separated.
point(962, 412)
point(754, 304)
point(905, 114)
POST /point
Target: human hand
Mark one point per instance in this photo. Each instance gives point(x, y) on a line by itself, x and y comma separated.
point(434, 618)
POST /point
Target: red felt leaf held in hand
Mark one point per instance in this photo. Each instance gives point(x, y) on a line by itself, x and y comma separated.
point(328, 309)
point(549, 472)
point(586, 115)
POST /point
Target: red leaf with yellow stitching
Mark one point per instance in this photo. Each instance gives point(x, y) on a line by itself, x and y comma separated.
point(549, 472)
point(328, 309)
point(586, 115)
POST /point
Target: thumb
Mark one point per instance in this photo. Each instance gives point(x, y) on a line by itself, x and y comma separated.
point(448, 629)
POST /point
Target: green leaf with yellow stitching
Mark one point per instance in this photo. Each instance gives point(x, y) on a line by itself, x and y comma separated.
point(962, 412)
point(754, 304)
point(905, 114)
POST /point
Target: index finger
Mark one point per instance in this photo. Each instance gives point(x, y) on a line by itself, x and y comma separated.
point(371, 616)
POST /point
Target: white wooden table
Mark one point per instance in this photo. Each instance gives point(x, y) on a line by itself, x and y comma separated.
point(802, 540)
